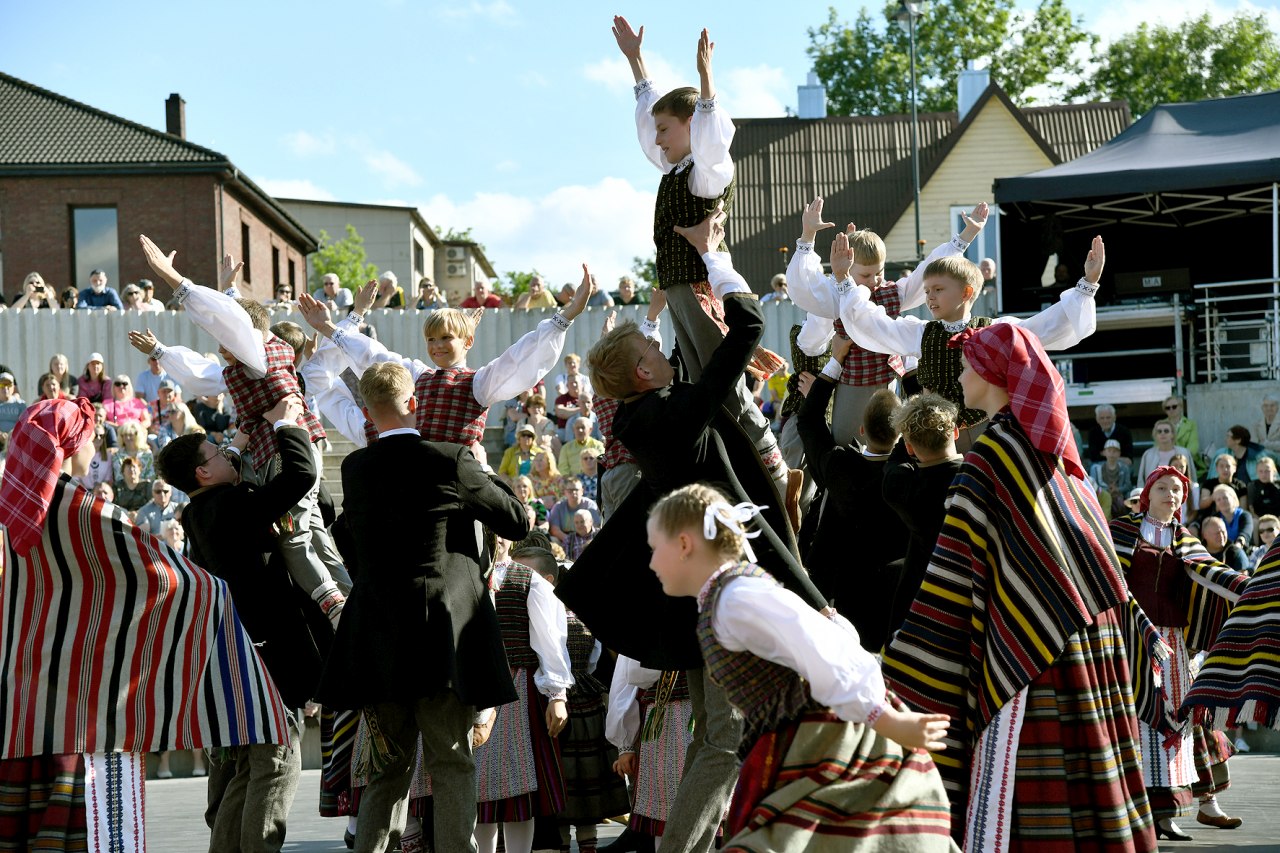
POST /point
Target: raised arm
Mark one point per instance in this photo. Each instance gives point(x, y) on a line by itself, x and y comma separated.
point(710, 132)
point(196, 374)
point(911, 286)
point(1074, 316)
point(646, 93)
point(362, 351)
point(872, 329)
point(322, 373)
point(811, 289)
point(815, 335)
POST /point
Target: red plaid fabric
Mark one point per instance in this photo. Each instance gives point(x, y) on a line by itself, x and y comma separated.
point(615, 452)
point(447, 406)
point(863, 367)
point(253, 398)
point(370, 431)
point(42, 438)
point(1010, 357)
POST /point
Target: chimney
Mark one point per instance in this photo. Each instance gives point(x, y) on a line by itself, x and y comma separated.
point(813, 98)
point(970, 85)
point(175, 116)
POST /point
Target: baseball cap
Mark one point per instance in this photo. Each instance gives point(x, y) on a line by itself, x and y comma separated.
point(1111, 442)
point(167, 383)
point(96, 356)
point(8, 378)
point(1134, 495)
point(520, 431)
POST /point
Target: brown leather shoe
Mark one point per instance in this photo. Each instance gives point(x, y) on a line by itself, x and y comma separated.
point(1223, 822)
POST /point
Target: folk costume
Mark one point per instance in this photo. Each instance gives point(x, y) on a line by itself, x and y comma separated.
point(1183, 590)
point(1020, 632)
point(123, 645)
point(816, 776)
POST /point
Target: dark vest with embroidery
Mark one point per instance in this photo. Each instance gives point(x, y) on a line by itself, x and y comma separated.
point(581, 643)
point(512, 603)
point(447, 406)
point(679, 691)
point(767, 694)
point(253, 398)
point(939, 369)
point(677, 261)
point(800, 363)
point(1159, 581)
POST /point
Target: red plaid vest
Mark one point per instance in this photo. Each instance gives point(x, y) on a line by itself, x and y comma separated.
point(863, 367)
point(447, 406)
point(512, 603)
point(253, 398)
point(615, 452)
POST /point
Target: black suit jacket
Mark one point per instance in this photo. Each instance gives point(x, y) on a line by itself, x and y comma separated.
point(231, 533)
point(419, 619)
point(679, 435)
point(1097, 440)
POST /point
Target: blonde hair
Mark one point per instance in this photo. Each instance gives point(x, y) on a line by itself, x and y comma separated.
point(132, 436)
point(685, 509)
point(867, 247)
point(1268, 517)
point(449, 321)
point(387, 387)
point(1163, 421)
point(957, 268)
point(291, 333)
point(553, 470)
point(927, 421)
point(1268, 461)
point(1232, 497)
point(612, 361)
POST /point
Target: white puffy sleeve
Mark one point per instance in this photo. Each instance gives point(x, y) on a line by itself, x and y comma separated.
point(198, 376)
point(815, 335)
point(523, 364)
point(646, 130)
point(222, 317)
point(549, 638)
point(363, 351)
point(321, 373)
point(710, 135)
point(812, 289)
point(1066, 322)
point(873, 329)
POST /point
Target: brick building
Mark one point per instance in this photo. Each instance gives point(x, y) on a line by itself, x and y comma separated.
point(77, 185)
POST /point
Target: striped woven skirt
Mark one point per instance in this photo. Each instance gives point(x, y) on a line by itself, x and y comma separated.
point(1212, 749)
point(91, 803)
point(1170, 771)
point(518, 772)
point(660, 766)
point(593, 792)
point(1077, 778)
point(337, 741)
point(822, 784)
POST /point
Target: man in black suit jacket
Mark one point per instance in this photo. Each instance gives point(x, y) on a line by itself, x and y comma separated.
point(418, 647)
point(230, 527)
point(1105, 427)
point(681, 433)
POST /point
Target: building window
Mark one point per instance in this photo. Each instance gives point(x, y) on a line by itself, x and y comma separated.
point(419, 261)
point(293, 280)
point(95, 244)
point(244, 251)
point(275, 265)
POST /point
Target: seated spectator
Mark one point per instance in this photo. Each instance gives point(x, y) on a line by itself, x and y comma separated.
point(11, 405)
point(1239, 522)
point(282, 297)
point(777, 290)
point(1161, 452)
point(175, 537)
point(572, 367)
point(1267, 430)
point(601, 297)
point(1217, 541)
point(105, 491)
point(571, 452)
point(149, 301)
point(390, 293)
point(124, 407)
point(1264, 492)
point(210, 415)
point(1134, 502)
point(1105, 429)
point(544, 428)
point(628, 294)
point(564, 296)
point(548, 485)
point(35, 294)
point(98, 295)
point(590, 476)
point(112, 440)
point(131, 297)
point(513, 417)
point(174, 419)
point(1225, 465)
point(68, 298)
point(1191, 500)
point(50, 389)
point(560, 517)
point(568, 406)
point(481, 297)
point(1186, 433)
point(333, 294)
point(584, 530)
point(95, 384)
point(147, 383)
point(1245, 450)
point(537, 296)
point(132, 492)
point(586, 412)
point(1114, 475)
point(524, 490)
point(429, 296)
point(133, 444)
point(1268, 526)
point(159, 509)
point(517, 461)
point(61, 368)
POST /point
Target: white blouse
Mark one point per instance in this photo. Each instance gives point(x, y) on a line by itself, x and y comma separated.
point(548, 634)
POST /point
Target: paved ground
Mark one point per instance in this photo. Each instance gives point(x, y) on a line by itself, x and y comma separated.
point(175, 809)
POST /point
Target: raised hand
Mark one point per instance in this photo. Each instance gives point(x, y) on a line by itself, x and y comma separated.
point(628, 39)
point(229, 274)
point(475, 314)
point(580, 296)
point(160, 263)
point(974, 222)
point(144, 342)
point(610, 320)
point(365, 294)
point(1096, 260)
point(316, 313)
point(706, 49)
point(841, 256)
point(811, 221)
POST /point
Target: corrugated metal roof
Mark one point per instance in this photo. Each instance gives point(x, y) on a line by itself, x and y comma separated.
point(1076, 129)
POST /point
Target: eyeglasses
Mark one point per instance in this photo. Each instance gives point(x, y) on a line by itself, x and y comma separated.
point(1172, 406)
point(121, 384)
point(1266, 530)
point(225, 454)
point(161, 491)
point(1163, 431)
point(645, 351)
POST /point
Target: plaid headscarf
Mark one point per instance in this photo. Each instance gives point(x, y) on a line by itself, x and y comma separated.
point(1163, 471)
point(47, 432)
point(1010, 357)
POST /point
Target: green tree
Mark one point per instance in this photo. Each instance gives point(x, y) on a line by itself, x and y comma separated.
point(517, 283)
point(866, 65)
point(458, 235)
point(645, 269)
point(1191, 61)
point(344, 258)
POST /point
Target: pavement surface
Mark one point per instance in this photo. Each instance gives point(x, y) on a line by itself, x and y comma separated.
point(175, 815)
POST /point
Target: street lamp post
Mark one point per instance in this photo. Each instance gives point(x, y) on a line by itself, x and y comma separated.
point(908, 12)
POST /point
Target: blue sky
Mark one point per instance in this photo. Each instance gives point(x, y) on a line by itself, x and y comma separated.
point(511, 117)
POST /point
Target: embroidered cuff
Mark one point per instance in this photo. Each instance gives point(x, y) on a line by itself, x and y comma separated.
point(844, 286)
point(560, 695)
point(803, 248)
point(355, 318)
point(960, 244)
point(561, 322)
point(649, 328)
point(833, 370)
point(705, 105)
point(183, 291)
point(1086, 287)
point(627, 751)
point(158, 352)
point(645, 85)
point(233, 292)
point(875, 713)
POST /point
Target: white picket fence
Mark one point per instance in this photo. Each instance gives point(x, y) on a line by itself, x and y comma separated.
point(28, 339)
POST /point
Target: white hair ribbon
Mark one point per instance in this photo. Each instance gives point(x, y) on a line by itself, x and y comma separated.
point(733, 517)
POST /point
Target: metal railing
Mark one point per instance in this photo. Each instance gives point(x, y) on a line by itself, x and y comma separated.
point(1240, 329)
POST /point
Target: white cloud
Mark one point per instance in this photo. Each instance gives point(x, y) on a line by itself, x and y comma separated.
point(605, 225)
point(760, 91)
point(392, 170)
point(304, 144)
point(296, 188)
point(1113, 20)
point(615, 74)
point(497, 12)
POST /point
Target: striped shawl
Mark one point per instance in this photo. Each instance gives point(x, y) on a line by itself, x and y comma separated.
point(111, 641)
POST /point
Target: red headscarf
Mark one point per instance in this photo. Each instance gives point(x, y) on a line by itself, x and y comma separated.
point(1163, 471)
point(46, 433)
point(1010, 357)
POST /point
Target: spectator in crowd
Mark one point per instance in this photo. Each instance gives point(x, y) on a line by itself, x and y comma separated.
point(548, 485)
point(1105, 429)
point(584, 530)
point(1268, 526)
point(149, 301)
point(35, 294)
point(171, 420)
point(1191, 500)
point(68, 298)
point(513, 417)
point(390, 293)
point(159, 509)
point(1267, 431)
point(60, 367)
point(1245, 450)
point(565, 294)
point(131, 490)
point(777, 290)
point(11, 405)
point(1264, 492)
point(1225, 465)
point(105, 491)
point(147, 384)
point(524, 490)
point(572, 367)
point(628, 294)
point(1239, 522)
point(98, 294)
point(517, 460)
point(481, 297)
point(133, 444)
point(173, 535)
point(560, 517)
point(1185, 431)
point(283, 296)
point(100, 419)
point(545, 430)
point(100, 465)
point(537, 296)
point(123, 407)
point(987, 267)
point(1113, 474)
point(131, 297)
point(1161, 451)
point(1217, 541)
point(587, 412)
point(429, 296)
point(567, 405)
point(50, 389)
point(590, 475)
point(95, 384)
point(600, 298)
point(333, 294)
point(571, 451)
point(210, 415)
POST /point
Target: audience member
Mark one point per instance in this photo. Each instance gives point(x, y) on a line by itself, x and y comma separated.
point(1191, 500)
point(1268, 526)
point(333, 294)
point(1239, 522)
point(390, 293)
point(429, 297)
point(131, 298)
point(131, 490)
point(560, 516)
point(571, 452)
point(68, 298)
point(50, 389)
point(100, 470)
point(987, 267)
point(600, 298)
point(1267, 430)
point(209, 412)
point(523, 488)
point(35, 294)
point(98, 294)
point(147, 383)
point(60, 367)
point(584, 530)
point(628, 294)
point(517, 461)
point(545, 431)
point(95, 384)
point(1161, 452)
point(567, 405)
point(1185, 431)
point(572, 367)
point(1113, 474)
point(160, 509)
point(149, 302)
point(1217, 541)
point(1225, 466)
point(1264, 492)
point(481, 297)
point(590, 476)
point(1245, 450)
point(105, 491)
point(777, 290)
point(123, 407)
point(11, 405)
point(1104, 429)
point(282, 296)
point(133, 444)
point(548, 485)
point(537, 296)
